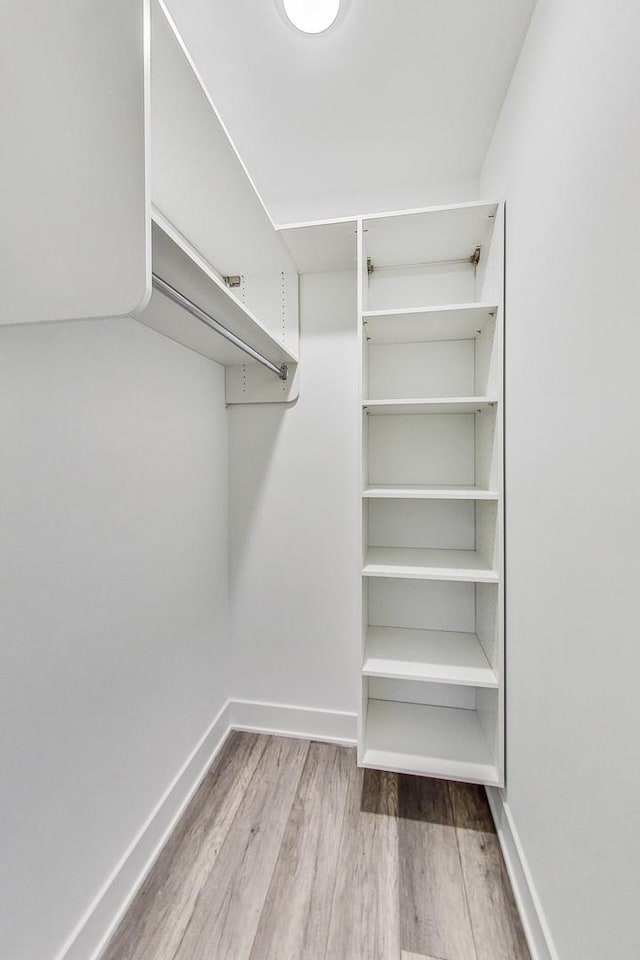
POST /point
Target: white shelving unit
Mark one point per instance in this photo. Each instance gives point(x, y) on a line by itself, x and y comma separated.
point(143, 182)
point(430, 317)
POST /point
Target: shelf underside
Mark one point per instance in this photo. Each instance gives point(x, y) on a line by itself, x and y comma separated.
point(417, 564)
point(443, 742)
point(428, 405)
point(413, 491)
point(430, 236)
point(322, 247)
point(180, 265)
point(416, 325)
point(436, 656)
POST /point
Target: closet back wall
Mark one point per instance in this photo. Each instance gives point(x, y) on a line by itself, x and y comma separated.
point(294, 551)
point(113, 606)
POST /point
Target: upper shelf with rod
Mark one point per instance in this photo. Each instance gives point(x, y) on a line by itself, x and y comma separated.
point(430, 258)
point(140, 205)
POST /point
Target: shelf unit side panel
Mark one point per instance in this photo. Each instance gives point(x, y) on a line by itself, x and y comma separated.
point(362, 433)
point(489, 623)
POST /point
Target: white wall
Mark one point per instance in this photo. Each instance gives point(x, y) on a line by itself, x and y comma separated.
point(113, 606)
point(566, 155)
point(294, 552)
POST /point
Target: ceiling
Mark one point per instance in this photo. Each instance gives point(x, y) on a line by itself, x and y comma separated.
point(395, 105)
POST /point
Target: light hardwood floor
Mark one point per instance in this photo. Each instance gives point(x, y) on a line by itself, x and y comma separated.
point(289, 852)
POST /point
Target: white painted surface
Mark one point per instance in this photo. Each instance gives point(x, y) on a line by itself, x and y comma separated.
point(444, 368)
point(394, 107)
point(74, 210)
point(177, 262)
point(460, 696)
point(322, 247)
point(419, 449)
point(455, 322)
point(99, 922)
point(428, 564)
point(432, 604)
point(293, 523)
point(422, 523)
point(567, 158)
point(428, 405)
point(438, 741)
point(97, 925)
point(198, 180)
point(436, 655)
point(417, 492)
point(526, 897)
point(285, 719)
point(114, 603)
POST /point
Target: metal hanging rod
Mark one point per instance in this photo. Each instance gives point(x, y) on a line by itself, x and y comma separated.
point(473, 259)
point(165, 288)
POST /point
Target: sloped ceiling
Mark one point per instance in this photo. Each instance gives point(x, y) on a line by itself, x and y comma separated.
point(394, 106)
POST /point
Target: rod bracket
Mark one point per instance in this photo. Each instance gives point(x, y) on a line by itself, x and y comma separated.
point(283, 373)
point(234, 280)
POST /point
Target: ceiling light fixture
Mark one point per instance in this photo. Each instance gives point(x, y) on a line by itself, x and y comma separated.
point(312, 16)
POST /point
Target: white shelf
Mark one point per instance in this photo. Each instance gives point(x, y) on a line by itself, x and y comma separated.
point(411, 491)
point(436, 656)
point(321, 246)
point(177, 262)
point(416, 564)
point(429, 405)
point(430, 741)
point(417, 324)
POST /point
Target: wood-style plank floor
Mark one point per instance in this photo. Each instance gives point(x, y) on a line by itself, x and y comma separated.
point(289, 852)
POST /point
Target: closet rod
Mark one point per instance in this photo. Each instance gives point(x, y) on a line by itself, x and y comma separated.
point(165, 288)
point(473, 259)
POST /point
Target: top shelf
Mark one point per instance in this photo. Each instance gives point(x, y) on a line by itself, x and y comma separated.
point(418, 325)
point(322, 246)
point(432, 236)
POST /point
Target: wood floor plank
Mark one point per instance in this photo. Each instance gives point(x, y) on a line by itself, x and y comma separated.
point(417, 956)
point(434, 917)
point(496, 924)
point(224, 922)
point(294, 924)
point(364, 913)
point(158, 916)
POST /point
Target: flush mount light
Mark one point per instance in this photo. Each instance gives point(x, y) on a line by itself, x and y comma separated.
point(311, 16)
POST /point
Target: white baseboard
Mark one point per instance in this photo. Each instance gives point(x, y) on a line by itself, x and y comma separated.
point(308, 723)
point(535, 926)
point(91, 934)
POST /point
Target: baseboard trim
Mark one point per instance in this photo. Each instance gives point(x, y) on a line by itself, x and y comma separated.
point(91, 934)
point(535, 926)
point(99, 922)
point(309, 723)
